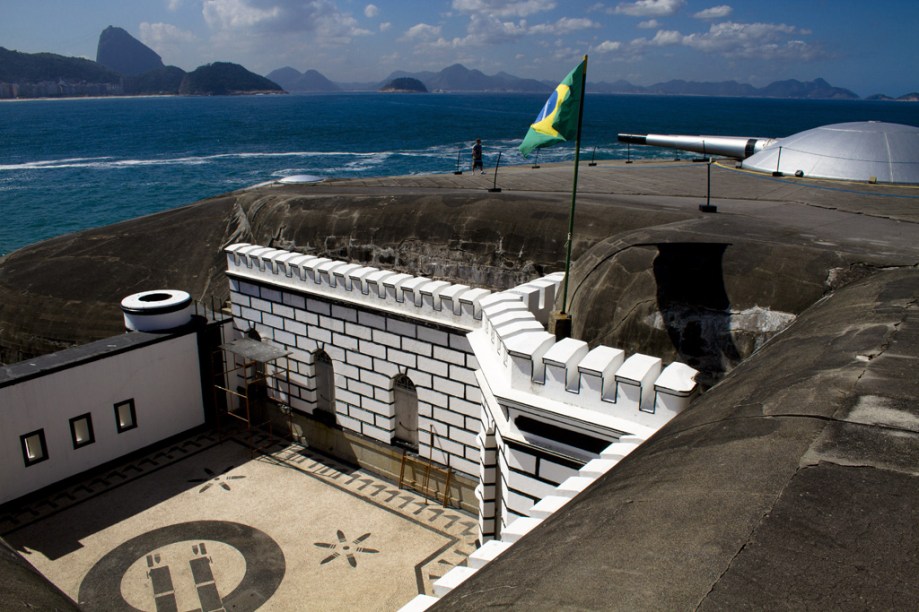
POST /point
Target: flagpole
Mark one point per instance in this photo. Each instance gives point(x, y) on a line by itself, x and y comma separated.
point(574, 193)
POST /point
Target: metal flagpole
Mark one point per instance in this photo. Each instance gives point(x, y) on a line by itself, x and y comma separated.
point(563, 322)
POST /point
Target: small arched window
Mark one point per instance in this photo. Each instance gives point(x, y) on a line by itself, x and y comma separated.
point(405, 398)
point(325, 387)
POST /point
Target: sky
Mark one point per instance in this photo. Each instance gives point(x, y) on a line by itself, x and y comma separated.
point(866, 46)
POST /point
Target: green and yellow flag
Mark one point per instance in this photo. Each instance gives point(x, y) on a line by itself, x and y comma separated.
point(558, 119)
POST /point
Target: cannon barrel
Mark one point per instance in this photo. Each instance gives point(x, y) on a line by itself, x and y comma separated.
point(739, 147)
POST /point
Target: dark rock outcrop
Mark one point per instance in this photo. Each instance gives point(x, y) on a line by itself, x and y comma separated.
point(650, 273)
point(66, 290)
point(405, 84)
point(224, 78)
point(121, 52)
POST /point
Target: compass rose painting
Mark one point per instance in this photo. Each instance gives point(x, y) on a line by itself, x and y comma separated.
point(347, 549)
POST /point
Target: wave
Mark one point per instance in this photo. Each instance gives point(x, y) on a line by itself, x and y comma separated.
point(103, 163)
point(351, 162)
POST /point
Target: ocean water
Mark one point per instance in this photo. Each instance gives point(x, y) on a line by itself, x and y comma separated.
point(67, 165)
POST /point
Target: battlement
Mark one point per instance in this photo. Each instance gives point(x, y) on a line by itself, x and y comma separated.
point(603, 379)
point(416, 296)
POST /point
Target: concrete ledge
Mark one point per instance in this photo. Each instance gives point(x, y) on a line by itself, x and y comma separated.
point(419, 603)
point(597, 467)
point(452, 579)
point(548, 505)
point(519, 528)
point(574, 485)
point(486, 553)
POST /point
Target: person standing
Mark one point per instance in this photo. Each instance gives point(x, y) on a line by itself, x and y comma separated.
point(477, 156)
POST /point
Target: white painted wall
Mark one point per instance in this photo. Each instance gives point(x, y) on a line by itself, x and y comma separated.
point(163, 378)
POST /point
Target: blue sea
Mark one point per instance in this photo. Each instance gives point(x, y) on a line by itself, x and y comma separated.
point(68, 165)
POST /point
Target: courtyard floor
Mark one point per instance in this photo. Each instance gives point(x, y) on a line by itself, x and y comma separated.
point(208, 524)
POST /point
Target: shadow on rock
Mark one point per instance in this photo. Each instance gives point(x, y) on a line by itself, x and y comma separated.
point(694, 305)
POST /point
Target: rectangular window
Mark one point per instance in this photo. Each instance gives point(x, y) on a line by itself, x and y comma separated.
point(81, 430)
point(125, 417)
point(34, 449)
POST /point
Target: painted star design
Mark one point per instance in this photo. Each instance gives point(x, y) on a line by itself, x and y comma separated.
point(345, 548)
point(214, 478)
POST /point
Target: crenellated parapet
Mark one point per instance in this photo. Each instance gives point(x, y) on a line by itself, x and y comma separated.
point(603, 379)
point(415, 296)
point(528, 359)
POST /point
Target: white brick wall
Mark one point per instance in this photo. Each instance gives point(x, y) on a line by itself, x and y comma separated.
point(368, 349)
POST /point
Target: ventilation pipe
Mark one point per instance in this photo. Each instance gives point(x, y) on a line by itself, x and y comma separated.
point(161, 310)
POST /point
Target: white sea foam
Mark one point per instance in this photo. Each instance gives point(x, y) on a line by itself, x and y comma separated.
point(371, 158)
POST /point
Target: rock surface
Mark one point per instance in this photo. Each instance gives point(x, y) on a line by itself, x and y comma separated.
point(651, 273)
point(790, 485)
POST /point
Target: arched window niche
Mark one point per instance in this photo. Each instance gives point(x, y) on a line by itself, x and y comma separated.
point(405, 402)
point(325, 388)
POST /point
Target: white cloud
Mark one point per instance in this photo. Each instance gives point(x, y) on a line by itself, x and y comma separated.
point(385, 26)
point(650, 8)
point(753, 40)
point(565, 25)
point(158, 34)
point(650, 24)
point(667, 37)
point(236, 14)
point(281, 16)
point(174, 45)
point(608, 46)
point(371, 11)
point(173, 5)
point(715, 12)
point(503, 8)
point(421, 31)
point(276, 28)
point(741, 40)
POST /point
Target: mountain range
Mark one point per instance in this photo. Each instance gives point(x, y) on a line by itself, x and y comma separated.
point(125, 66)
point(458, 78)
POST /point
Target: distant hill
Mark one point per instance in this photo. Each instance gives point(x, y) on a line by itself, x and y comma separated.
point(16, 67)
point(695, 88)
point(405, 84)
point(128, 67)
point(310, 81)
point(47, 75)
point(224, 78)
point(124, 54)
point(459, 78)
point(162, 81)
point(816, 89)
point(909, 97)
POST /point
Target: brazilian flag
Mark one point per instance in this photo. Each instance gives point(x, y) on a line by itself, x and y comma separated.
point(558, 119)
